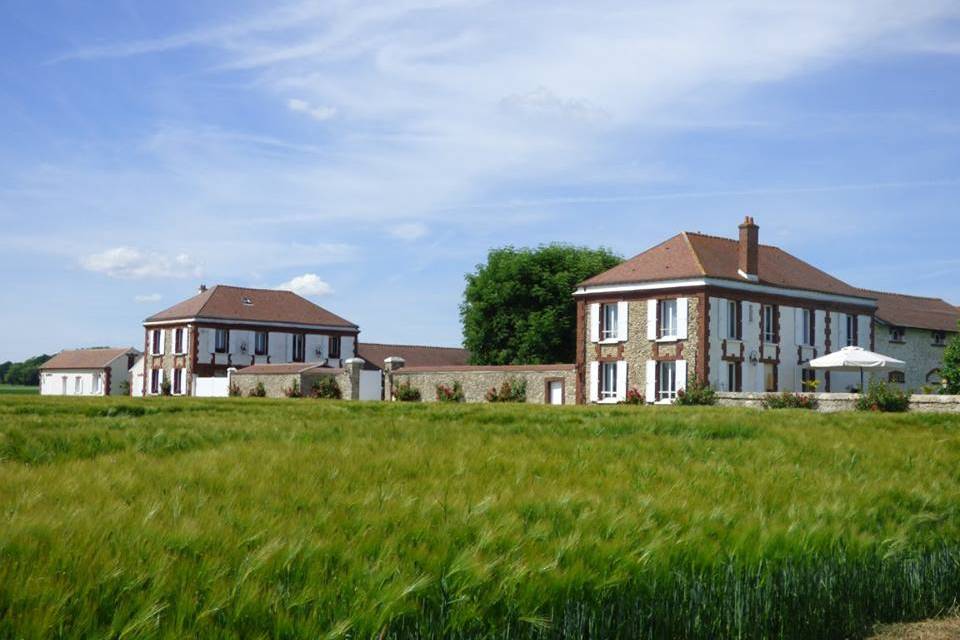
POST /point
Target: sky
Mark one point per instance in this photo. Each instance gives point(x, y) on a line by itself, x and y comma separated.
point(369, 154)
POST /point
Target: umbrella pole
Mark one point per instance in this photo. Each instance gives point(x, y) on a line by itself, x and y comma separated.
point(861, 380)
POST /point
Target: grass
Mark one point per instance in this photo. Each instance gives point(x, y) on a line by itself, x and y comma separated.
point(13, 389)
point(246, 518)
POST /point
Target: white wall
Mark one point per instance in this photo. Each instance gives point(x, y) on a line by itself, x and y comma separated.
point(280, 348)
point(371, 385)
point(51, 382)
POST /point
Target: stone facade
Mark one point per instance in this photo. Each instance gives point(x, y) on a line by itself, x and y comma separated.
point(276, 384)
point(833, 402)
point(476, 381)
point(924, 359)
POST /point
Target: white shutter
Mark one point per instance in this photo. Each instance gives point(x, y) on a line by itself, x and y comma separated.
point(681, 375)
point(651, 319)
point(724, 316)
point(162, 339)
point(798, 327)
point(841, 331)
point(622, 310)
point(651, 381)
point(594, 381)
point(160, 383)
point(594, 322)
point(183, 382)
point(682, 316)
point(621, 380)
point(865, 322)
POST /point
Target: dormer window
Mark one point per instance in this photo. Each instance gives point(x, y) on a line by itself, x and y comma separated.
point(247, 301)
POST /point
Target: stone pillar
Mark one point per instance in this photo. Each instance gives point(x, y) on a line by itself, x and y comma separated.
point(391, 364)
point(354, 366)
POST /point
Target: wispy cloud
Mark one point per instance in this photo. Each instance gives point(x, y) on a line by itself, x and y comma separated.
point(307, 285)
point(409, 231)
point(127, 262)
point(148, 297)
point(317, 113)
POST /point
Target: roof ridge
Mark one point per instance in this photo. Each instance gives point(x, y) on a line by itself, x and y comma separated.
point(415, 346)
point(696, 256)
point(733, 240)
point(904, 295)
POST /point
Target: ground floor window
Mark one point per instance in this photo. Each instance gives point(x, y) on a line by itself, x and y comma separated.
point(77, 384)
point(96, 383)
point(177, 381)
point(667, 381)
point(734, 381)
point(897, 377)
point(608, 380)
point(808, 380)
point(769, 377)
point(155, 381)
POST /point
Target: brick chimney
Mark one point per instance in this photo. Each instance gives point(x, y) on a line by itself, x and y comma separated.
point(750, 250)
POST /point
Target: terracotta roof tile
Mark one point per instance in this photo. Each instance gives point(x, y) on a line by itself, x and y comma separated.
point(86, 358)
point(224, 302)
point(415, 356)
point(517, 368)
point(902, 310)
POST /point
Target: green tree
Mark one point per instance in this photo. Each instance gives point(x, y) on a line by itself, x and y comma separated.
point(518, 308)
point(951, 366)
point(24, 373)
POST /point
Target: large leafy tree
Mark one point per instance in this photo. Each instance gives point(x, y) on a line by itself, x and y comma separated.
point(23, 373)
point(951, 366)
point(518, 307)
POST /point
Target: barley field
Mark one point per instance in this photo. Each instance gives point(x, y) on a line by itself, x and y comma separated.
point(13, 389)
point(255, 518)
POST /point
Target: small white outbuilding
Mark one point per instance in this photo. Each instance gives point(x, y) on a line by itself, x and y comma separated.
point(87, 372)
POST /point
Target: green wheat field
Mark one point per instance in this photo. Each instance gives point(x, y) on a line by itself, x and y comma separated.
point(252, 518)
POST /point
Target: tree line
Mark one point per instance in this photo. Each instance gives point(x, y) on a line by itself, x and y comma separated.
point(26, 373)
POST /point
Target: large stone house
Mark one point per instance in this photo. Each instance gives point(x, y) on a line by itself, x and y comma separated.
point(734, 314)
point(192, 344)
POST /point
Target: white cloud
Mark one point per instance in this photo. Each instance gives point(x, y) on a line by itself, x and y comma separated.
point(148, 297)
point(317, 113)
point(409, 231)
point(127, 262)
point(307, 285)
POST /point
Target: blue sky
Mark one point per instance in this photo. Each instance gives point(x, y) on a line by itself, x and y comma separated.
point(370, 153)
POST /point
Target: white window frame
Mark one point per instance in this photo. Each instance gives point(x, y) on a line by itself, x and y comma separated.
point(155, 374)
point(732, 376)
point(77, 385)
point(156, 342)
point(179, 340)
point(666, 381)
point(335, 353)
point(852, 330)
point(609, 322)
point(769, 323)
point(665, 319)
point(608, 375)
point(732, 324)
point(298, 344)
point(257, 351)
point(95, 388)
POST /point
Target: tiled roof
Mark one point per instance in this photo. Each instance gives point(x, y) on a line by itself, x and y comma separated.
point(696, 255)
point(224, 302)
point(518, 368)
point(286, 368)
point(901, 310)
point(415, 356)
point(86, 358)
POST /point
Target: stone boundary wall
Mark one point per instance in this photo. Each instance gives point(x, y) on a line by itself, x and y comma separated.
point(832, 402)
point(477, 380)
point(276, 384)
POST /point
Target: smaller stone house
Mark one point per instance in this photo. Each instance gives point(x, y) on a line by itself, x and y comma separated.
point(87, 372)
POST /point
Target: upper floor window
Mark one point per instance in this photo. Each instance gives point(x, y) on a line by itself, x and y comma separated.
point(853, 331)
point(808, 330)
point(608, 380)
point(939, 338)
point(897, 334)
point(222, 341)
point(260, 343)
point(770, 333)
point(668, 319)
point(299, 347)
point(733, 320)
point(334, 350)
point(608, 322)
point(178, 342)
point(155, 341)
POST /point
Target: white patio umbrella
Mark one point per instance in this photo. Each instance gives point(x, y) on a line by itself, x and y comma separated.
point(856, 359)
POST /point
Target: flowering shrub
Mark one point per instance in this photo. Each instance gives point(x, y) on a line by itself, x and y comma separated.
point(258, 391)
point(884, 398)
point(696, 395)
point(293, 391)
point(787, 400)
point(634, 397)
point(235, 390)
point(326, 388)
point(450, 394)
point(512, 390)
point(406, 393)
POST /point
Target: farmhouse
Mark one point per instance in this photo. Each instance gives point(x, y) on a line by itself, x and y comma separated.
point(191, 345)
point(87, 372)
point(739, 316)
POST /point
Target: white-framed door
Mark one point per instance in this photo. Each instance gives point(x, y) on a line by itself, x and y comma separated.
point(555, 392)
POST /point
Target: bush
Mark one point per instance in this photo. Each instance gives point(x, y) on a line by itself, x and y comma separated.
point(326, 388)
point(165, 388)
point(951, 367)
point(787, 400)
point(293, 391)
point(696, 395)
point(404, 392)
point(125, 388)
point(450, 394)
point(235, 390)
point(634, 397)
point(258, 391)
point(512, 390)
point(883, 398)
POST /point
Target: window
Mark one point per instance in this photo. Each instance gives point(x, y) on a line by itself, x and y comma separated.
point(334, 349)
point(666, 381)
point(769, 377)
point(155, 381)
point(177, 382)
point(853, 331)
point(667, 311)
point(77, 384)
point(96, 383)
point(897, 334)
point(807, 329)
point(808, 379)
point(939, 338)
point(299, 350)
point(733, 320)
point(155, 341)
point(261, 343)
point(769, 319)
point(178, 341)
point(734, 376)
point(222, 341)
point(608, 322)
point(608, 380)
point(897, 377)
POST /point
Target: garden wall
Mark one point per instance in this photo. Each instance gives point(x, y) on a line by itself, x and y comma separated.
point(477, 380)
point(831, 402)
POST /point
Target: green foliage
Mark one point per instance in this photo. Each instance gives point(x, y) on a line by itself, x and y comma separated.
point(293, 391)
point(326, 388)
point(258, 391)
point(518, 308)
point(405, 392)
point(512, 390)
point(951, 366)
point(452, 393)
point(237, 518)
point(124, 388)
point(883, 398)
point(696, 394)
point(787, 400)
point(26, 373)
point(165, 388)
point(235, 390)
